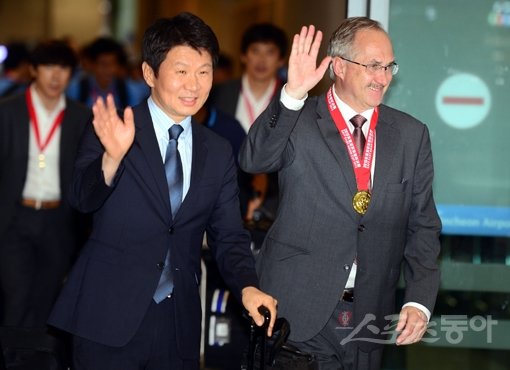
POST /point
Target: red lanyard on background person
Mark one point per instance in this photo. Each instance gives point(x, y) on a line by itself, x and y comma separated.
point(33, 118)
point(363, 166)
point(249, 107)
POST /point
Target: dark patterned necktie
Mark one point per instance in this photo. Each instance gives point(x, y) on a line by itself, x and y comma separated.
point(173, 170)
point(358, 136)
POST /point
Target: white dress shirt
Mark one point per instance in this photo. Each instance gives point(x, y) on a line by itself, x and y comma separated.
point(43, 184)
point(162, 124)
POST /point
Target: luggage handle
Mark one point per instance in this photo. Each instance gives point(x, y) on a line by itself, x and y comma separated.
point(254, 334)
point(281, 332)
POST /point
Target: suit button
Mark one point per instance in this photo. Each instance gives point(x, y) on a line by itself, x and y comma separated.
point(171, 230)
point(347, 267)
point(160, 266)
point(361, 228)
point(272, 121)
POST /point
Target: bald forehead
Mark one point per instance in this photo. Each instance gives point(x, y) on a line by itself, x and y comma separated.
point(372, 41)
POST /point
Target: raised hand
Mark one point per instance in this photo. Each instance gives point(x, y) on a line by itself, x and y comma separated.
point(116, 135)
point(303, 73)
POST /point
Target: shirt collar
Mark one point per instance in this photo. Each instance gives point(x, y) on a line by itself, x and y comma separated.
point(162, 122)
point(39, 106)
point(347, 112)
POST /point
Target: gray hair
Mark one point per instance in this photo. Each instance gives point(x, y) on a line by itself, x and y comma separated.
point(341, 42)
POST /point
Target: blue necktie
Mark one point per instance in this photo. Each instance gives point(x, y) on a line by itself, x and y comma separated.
point(173, 170)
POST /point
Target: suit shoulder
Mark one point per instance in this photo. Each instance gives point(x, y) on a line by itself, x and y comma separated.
point(399, 118)
point(316, 106)
point(12, 101)
point(13, 109)
point(78, 106)
point(211, 138)
point(77, 113)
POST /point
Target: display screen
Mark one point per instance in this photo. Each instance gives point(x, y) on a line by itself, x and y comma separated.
point(454, 76)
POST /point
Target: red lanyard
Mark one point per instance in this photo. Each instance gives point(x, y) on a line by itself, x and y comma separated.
point(249, 108)
point(33, 117)
point(363, 166)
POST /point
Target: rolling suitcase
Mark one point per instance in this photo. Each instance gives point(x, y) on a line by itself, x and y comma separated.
point(275, 353)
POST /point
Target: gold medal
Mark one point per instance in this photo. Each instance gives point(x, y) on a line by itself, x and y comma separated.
point(361, 201)
point(42, 162)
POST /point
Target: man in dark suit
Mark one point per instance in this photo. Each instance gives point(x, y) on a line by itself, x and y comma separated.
point(132, 299)
point(263, 51)
point(356, 203)
point(39, 134)
point(105, 64)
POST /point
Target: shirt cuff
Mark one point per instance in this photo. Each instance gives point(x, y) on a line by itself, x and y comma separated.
point(291, 103)
point(420, 307)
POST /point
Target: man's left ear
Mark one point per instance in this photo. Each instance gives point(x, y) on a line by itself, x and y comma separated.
point(148, 74)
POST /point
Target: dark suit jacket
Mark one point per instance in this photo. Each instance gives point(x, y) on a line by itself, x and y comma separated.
point(307, 255)
point(114, 279)
point(14, 140)
point(225, 96)
point(226, 126)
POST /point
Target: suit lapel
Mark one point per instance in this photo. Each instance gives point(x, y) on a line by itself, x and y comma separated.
point(66, 135)
point(199, 158)
point(21, 130)
point(149, 164)
point(335, 143)
point(387, 138)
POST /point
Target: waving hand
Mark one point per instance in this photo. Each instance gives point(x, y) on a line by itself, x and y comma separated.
point(303, 73)
point(115, 134)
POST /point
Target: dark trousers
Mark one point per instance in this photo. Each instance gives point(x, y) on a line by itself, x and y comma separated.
point(327, 347)
point(154, 346)
point(35, 255)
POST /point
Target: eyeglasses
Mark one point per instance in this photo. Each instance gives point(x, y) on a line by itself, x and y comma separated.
point(375, 67)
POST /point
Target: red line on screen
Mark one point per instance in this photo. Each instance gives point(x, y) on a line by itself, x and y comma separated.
point(462, 100)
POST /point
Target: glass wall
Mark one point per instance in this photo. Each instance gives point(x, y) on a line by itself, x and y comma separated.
point(454, 59)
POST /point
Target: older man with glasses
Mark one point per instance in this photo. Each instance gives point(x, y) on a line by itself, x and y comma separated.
point(356, 202)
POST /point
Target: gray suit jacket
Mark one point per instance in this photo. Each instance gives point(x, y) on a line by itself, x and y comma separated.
point(307, 255)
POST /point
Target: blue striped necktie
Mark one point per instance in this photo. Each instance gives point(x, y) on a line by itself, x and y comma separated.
point(173, 170)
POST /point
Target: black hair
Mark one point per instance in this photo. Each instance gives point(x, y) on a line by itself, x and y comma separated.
point(54, 52)
point(105, 45)
point(265, 32)
point(224, 61)
point(17, 54)
point(185, 29)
